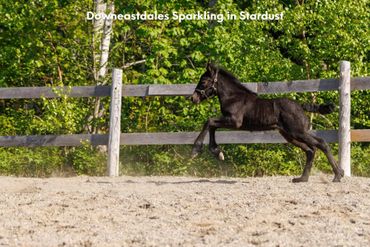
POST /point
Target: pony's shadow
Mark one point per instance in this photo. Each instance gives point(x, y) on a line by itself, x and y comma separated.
point(220, 181)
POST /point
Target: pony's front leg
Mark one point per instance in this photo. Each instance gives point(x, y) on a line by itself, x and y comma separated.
point(198, 144)
point(212, 124)
point(213, 147)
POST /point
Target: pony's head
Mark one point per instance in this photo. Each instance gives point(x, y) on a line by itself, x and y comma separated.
point(206, 87)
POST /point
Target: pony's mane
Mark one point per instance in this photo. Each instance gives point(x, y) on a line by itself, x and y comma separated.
point(235, 80)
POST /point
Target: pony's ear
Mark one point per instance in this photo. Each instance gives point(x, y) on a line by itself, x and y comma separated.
point(209, 65)
point(211, 68)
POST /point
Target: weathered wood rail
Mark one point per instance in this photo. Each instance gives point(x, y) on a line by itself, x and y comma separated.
point(223, 137)
point(357, 83)
point(168, 138)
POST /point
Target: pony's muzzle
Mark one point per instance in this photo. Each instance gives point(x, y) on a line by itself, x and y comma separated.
point(195, 98)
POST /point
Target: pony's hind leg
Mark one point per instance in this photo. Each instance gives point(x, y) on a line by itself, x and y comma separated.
point(315, 141)
point(310, 155)
point(338, 172)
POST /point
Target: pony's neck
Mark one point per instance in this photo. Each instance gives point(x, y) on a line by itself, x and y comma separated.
point(229, 86)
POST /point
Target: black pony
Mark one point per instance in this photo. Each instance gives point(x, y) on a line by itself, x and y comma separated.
point(243, 109)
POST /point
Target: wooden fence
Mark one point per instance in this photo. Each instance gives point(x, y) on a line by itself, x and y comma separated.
point(114, 139)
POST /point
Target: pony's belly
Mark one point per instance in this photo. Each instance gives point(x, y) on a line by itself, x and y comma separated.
point(259, 127)
point(255, 125)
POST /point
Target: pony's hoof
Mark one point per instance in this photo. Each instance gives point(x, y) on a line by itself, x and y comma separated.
point(299, 180)
point(336, 179)
point(338, 175)
point(195, 151)
point(194, 155)
point(341, 172)
point(217, 153)
point(221, 156)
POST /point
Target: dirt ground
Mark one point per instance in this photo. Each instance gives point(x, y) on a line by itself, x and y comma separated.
point(184, 211)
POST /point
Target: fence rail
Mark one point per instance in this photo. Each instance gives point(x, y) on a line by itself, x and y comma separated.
point(357, 83)
point(223, 137)
point(168, 138)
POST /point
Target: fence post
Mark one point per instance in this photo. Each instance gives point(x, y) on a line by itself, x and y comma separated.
point(345, 117)
point(115, 123)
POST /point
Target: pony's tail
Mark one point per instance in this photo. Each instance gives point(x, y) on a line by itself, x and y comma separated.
point(322, 109)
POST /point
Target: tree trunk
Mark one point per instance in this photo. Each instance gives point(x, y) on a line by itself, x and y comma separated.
point(99, 8)
point(105, 42)
point(101, 40)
